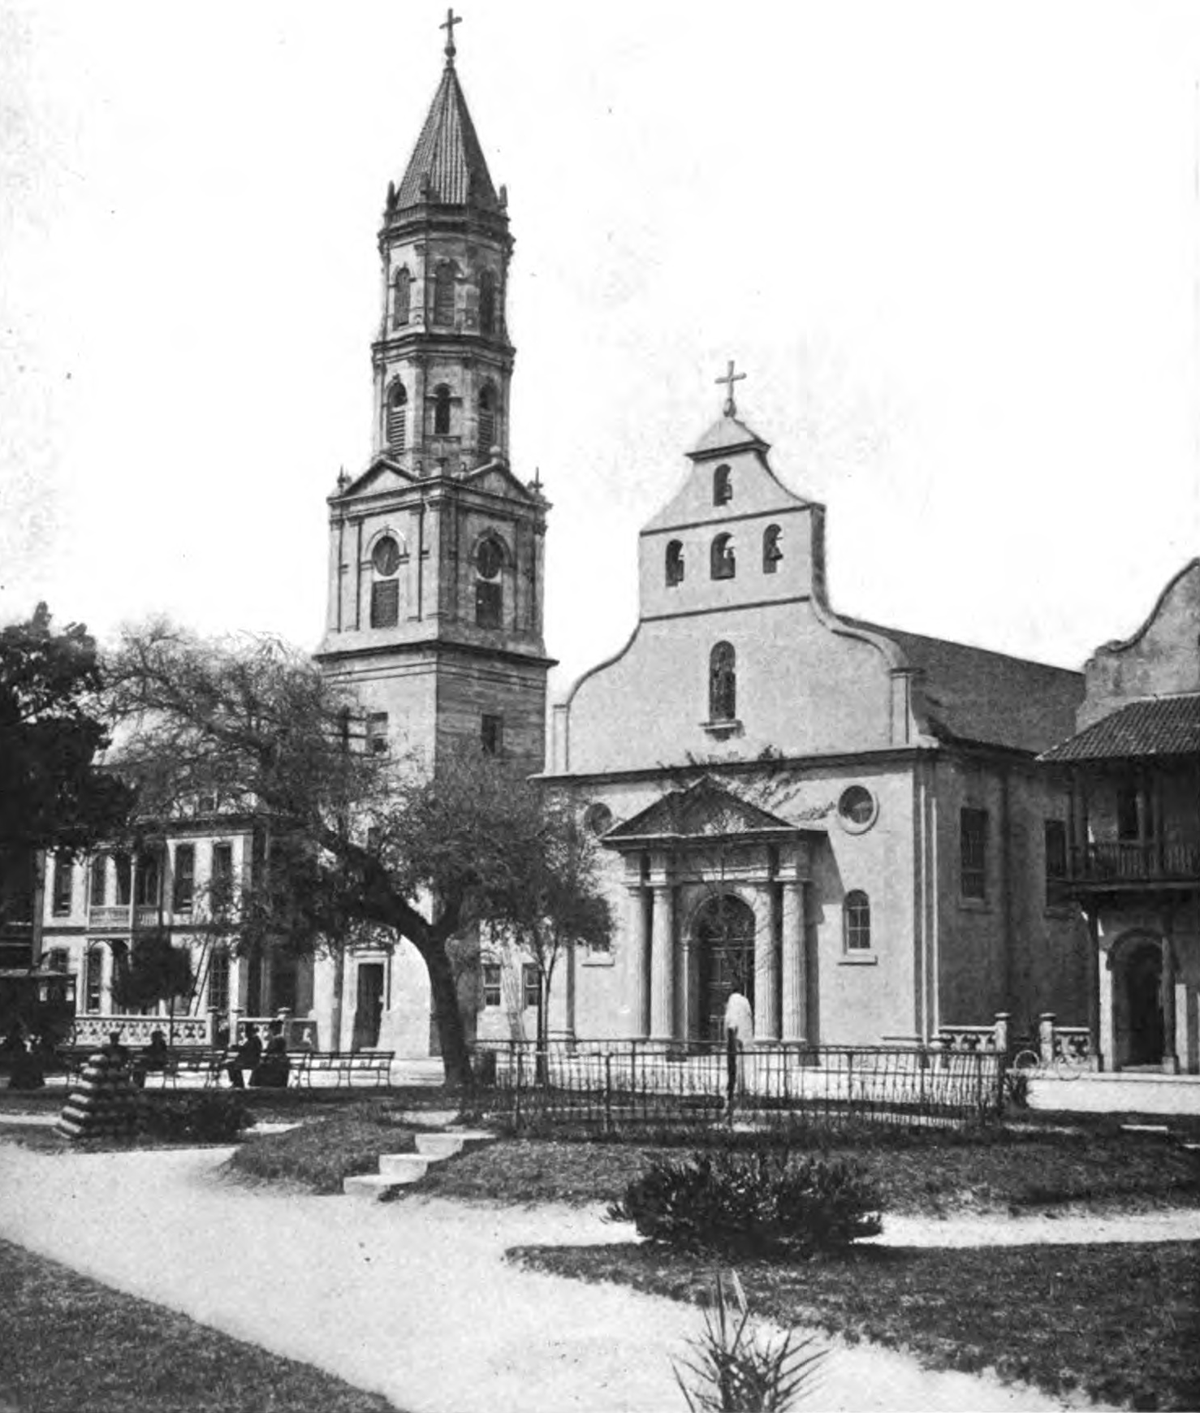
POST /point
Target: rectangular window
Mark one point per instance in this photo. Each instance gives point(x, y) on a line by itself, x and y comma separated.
point(530, 990)
point(64, 883)
point(1056, 857)
point(491, 983)
point(377, 733)
point(146, 886)
point(93, 977)
point(124, 874)
point(973, 853)
point(221, 877)
point(491, 736)
point(218, 981)
point(57, 959)
point(185, 877)
point(489, 601)
point(99, 880)
point(385, 603)
point(1127, 813)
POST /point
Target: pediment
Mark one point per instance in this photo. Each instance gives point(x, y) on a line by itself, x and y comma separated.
point(703, 811)
point(381, 476)
point(496, 479)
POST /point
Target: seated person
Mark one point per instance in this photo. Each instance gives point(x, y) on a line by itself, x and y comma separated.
point(249, 1052)
point(26, 1071)
point(154, 1056)
point(272, 1070)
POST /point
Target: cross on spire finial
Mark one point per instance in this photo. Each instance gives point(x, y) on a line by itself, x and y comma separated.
point(729, 379)
point(448, 25)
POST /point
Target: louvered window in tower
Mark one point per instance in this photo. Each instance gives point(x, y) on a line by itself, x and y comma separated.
point(385, 586)
point(487, 303)
point(443, 294)
point(401, 297)
point(441, 411)
point(487, 419)
point(489, 584)
point(397, 416)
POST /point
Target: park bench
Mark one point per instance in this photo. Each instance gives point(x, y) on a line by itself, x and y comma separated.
point(204, 1063)
point(373, 1064)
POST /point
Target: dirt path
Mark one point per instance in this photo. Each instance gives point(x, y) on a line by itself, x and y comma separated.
point(412, 1299)
point(1040, 1229)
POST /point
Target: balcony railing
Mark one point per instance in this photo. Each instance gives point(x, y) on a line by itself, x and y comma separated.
point(1123, 861)
point(113, 915)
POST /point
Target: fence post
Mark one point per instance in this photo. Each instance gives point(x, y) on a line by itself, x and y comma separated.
point(210, 1033)
point(1046, 1037)
point(607, 1091)
point(517, 1091)
point(1001, 1032)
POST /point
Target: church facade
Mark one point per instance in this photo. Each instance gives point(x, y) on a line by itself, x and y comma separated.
point(844, 822)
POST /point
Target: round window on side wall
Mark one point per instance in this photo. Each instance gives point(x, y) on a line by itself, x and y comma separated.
point(597, 819)
point(857, 809)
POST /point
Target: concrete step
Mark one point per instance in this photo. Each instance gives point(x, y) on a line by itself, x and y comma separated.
point(404, 1167)
point(446, 1145)
point(372, 1187)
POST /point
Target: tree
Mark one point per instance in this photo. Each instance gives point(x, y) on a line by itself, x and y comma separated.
point(350, 840)
point(156, 971)
point(53, 795)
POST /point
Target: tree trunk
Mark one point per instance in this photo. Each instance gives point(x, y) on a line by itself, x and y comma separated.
point(335, 1011)
point(456, 1056)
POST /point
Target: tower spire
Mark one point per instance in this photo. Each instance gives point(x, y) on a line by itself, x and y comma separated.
point(448, 25)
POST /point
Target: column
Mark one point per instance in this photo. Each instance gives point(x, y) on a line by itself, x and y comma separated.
point(766, 967)
point(569, 964)
point(1170, 1059)
point(638, 962)
point(662, 963)
point(685, 996)
point(795, 1018)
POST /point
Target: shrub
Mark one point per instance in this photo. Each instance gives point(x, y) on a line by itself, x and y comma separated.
point(199, 1118)
point(752, 1203)
point(736, 1369)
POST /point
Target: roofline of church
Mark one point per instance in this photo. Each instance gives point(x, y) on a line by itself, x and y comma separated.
point(881, 755)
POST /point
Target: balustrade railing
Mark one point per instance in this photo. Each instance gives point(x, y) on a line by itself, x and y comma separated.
point(117, 915)
point(1120, 860)
point(135, 1031)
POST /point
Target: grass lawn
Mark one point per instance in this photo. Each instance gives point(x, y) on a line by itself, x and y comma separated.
point(69, 1344)
point(1121, 1323)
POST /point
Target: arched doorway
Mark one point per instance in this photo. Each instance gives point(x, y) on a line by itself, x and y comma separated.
point(724, 932)
point(1143, 999)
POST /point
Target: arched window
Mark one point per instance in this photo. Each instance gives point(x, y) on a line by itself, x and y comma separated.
point(490, 559)
point(443, 294)
point(722, 683)
point(723, 564)
point(722, 486)
point(385, 585)
point(397, 416)
point(487, 418)
point(487, 303)
point(856, 921)
point(441, 411)
point(401, 297)
point(772, 554)
point(674, 563)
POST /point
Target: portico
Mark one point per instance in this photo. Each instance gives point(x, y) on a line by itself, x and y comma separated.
point(717, 902)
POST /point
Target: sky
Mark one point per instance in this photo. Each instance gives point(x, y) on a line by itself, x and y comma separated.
point(955, 248)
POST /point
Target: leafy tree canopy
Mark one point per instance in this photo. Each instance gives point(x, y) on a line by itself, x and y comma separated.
point(52, 794)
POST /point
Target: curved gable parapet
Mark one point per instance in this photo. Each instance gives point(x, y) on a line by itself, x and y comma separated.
point(1161, 657)
point(599, 667)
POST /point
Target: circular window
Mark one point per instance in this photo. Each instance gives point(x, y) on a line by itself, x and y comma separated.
point(386, 556)
point(857, 809)
point(489, 559)
point(598, 818)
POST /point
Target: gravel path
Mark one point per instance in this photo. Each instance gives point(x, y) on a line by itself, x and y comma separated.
point(411, 1299)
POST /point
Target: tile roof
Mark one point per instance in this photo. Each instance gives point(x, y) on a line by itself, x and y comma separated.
point(704, 810)
point(972, 694)
point(1154, 726)
point(448, 154)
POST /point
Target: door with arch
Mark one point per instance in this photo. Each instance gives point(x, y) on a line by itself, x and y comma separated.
point(1143, 999)
point(724, 930)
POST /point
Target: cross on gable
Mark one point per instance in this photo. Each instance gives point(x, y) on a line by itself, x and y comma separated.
point(729, 379)
point(448, 25)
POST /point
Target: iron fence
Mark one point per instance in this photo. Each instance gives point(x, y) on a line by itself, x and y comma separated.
point(606, 1086)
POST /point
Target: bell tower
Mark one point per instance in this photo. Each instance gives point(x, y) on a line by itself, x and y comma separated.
point(442, 360)
point(436, 548)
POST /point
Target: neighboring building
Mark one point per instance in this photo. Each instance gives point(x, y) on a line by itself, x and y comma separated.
point(843, 821)
point(1131, 852)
